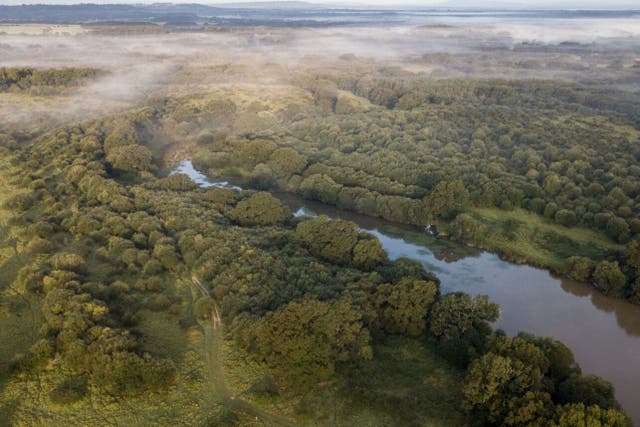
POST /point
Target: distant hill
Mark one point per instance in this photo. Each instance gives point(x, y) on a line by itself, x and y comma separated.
point(271, 5)
point(279, 14)
point(274, 14)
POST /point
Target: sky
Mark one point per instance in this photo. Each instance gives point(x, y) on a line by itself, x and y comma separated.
point(519, 4)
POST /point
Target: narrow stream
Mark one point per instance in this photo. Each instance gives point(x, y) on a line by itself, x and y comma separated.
point(602, 332)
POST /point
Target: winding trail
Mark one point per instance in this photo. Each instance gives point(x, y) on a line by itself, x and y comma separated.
point(214, 338)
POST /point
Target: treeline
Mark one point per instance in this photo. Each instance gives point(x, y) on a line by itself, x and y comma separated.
point(428, 150)
point(39, 81)
point(108, 239)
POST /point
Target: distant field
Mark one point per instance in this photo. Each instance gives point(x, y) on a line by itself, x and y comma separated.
point(41, 29)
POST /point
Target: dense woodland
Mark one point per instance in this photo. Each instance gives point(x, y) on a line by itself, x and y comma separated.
point(486, 158)
point(129, 296)
point(99, 241)
point(47, 81)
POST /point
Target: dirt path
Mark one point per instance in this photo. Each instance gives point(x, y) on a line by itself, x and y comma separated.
point(214, 338)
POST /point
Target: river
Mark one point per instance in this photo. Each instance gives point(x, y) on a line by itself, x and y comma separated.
point(602, 332)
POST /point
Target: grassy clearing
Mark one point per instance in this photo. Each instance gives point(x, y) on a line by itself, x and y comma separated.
point(406, 384)
point(526, 237)
point(162, 335)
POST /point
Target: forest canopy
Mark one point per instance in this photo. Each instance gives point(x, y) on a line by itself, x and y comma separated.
point(137, 291)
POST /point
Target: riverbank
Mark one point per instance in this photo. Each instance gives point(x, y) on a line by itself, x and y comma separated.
point(531, 299)
point(516, 235)
point(525, 238)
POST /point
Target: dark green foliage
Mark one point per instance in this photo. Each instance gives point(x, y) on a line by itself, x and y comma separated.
point(496, 390)
point(262, 178)
point(579, 268)
point(321, 188)
point(562, 365)
point(435, 148)
point(303, 341)
point(467, 228)
point(618, 229)
point(588, 389)
point(110, 241)
point(368, 254)
point(340, 242)
point(524, 380)
point(20, 202)
point(260, 209)
point(632, 258)
point(285, 162)
point(446, 199)
point(405, 267)
point(403, 306)
point(129, 158)
point(460, 325)
point(608, 278)
point(583, 415)
point(40, 246)
point(566, 218)
point(457, 314)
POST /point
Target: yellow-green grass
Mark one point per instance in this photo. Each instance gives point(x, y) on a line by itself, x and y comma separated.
point(406, 384)
point(193, 400)
point(527, 237)
point(20, 314)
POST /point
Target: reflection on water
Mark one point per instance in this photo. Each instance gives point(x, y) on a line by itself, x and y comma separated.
point(186, 167)
point(603, 332)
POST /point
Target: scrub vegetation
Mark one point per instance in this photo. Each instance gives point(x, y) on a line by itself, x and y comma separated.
point(130, 297)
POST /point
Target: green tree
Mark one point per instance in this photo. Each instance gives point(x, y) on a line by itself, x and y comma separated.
point(456, 314)
point(320, 187)
point(333, 240)
point(579, 268)
point(632, 257)
point(565, 217)
point(618, 229)
point(130, 158)
point(588, 389)
point(467, 228)
point(447, 199)
point(285, 162)
point(303, 341)
point(403, 307)
point(260, 209)
point(491, 383)
point(590, 416)
point(608, 277)
point(368, 254)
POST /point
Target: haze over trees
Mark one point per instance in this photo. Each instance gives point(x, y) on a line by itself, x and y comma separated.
point(131, 296)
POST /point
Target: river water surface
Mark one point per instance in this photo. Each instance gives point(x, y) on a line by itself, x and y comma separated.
point(602, 332)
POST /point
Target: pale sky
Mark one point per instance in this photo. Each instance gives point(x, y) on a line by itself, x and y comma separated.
point(520, 4)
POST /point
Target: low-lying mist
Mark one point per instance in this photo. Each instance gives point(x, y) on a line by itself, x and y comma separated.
point(139, 66)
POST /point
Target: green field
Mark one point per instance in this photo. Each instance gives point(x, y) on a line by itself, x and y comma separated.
point(529, 238)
